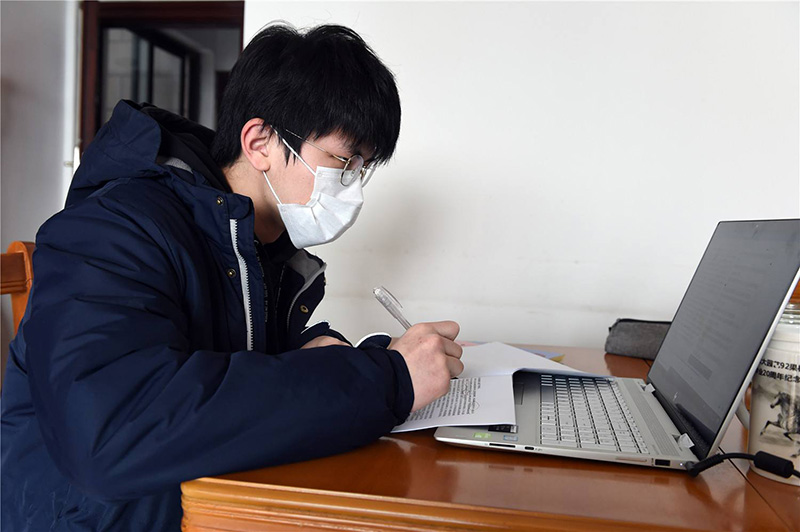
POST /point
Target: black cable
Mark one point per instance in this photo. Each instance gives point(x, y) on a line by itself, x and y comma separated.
point(768, 462)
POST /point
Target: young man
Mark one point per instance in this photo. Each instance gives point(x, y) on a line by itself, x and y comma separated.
point(165, 338)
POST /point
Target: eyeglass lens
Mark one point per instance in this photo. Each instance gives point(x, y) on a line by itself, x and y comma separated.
point(353, 169)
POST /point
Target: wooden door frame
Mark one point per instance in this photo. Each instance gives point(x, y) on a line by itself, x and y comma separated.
point(132, 15)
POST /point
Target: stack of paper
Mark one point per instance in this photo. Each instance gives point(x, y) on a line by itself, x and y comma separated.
point(484, 393)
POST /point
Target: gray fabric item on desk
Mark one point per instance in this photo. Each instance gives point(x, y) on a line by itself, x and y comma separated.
point(636, 338)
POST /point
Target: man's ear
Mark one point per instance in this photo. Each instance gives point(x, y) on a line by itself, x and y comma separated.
point(258, 144)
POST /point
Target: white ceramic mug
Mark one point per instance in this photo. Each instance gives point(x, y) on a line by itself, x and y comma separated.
point(775, 402)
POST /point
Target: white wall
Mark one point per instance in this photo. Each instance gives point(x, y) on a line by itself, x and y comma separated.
point(37, 119)
point(561, 165)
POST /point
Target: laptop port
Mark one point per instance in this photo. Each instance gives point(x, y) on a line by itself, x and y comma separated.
point(503, 445)
point(662, 462)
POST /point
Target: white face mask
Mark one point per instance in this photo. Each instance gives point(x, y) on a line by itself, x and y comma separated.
point(330, 211)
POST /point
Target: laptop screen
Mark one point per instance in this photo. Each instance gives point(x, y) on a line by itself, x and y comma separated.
point(725, 316)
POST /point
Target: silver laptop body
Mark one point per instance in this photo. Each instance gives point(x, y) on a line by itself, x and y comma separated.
point(710, 353)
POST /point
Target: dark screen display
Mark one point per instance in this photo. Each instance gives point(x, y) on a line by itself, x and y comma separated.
point(726, 313)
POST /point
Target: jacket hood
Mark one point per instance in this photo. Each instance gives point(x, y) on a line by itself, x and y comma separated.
point(133, 143)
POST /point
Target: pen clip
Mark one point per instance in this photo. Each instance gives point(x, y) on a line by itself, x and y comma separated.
point(383, 294)
point(391, 304)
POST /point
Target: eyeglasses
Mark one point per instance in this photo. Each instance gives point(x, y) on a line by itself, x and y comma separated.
point(354, 166)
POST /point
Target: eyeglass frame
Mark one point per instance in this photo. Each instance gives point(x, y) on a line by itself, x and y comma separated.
point(366, 170)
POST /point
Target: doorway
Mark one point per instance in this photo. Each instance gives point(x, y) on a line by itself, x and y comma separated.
point(175, 55)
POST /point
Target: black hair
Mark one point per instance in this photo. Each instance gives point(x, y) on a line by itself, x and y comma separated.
point(313, 83)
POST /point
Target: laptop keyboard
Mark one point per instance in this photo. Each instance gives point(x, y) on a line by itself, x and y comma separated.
point(587, 413)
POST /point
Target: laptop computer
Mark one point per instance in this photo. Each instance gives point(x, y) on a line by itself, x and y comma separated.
point(679, 414)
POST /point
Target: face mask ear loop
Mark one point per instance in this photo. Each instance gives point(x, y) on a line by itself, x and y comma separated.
point(270, 187)
point(298, 156)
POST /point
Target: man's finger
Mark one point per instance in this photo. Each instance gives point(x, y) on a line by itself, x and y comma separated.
point(454, 366)
point(452, 349)
point(448, 329)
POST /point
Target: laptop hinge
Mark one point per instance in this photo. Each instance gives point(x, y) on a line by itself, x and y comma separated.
point(700, 446)
point(685, 441)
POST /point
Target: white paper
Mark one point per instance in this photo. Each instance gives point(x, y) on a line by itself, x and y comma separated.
point(500, 359)
point(484, 392)
point(485, 400)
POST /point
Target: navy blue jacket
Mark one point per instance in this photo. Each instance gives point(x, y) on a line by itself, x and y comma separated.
point(140, 361)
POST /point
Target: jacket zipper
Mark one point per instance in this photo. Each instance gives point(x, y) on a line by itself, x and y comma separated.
point(248, 310)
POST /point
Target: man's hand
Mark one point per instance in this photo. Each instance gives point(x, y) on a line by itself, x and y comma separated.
point(432, 358)
point(323, 341)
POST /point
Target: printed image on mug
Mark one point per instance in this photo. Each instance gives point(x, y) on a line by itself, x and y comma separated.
point(775, 405)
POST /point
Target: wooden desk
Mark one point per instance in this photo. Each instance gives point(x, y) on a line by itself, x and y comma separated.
point(412, 482)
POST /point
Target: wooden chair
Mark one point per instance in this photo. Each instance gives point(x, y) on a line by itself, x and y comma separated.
point(16, 271)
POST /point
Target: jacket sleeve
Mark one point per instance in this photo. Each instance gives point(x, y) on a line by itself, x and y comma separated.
point(125, 406)
point(321, 328)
